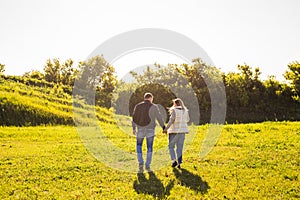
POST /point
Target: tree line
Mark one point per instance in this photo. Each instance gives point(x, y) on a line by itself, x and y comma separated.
point(248, 98)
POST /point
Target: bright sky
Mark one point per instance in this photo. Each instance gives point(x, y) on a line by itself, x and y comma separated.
point(262, 34)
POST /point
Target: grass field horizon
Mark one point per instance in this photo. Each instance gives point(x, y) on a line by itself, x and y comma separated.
point(257, 161)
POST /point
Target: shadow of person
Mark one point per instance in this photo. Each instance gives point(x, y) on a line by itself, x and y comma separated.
point(191, 180)
point(152, 186)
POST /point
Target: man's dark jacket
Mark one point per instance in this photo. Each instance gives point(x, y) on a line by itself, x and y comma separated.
point(144, 115)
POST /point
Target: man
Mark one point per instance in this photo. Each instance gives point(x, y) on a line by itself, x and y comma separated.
point(144, 116)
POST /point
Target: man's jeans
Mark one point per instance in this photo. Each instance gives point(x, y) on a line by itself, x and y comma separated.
point(178, 140)
point(141, 134)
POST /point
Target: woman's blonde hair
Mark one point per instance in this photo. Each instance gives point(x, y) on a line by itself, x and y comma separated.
point(178, 102)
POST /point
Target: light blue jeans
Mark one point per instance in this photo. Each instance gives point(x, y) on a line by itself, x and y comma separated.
point(149, 135)
point(178, 140)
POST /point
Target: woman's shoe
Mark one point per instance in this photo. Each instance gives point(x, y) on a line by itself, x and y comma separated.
point(174, 164)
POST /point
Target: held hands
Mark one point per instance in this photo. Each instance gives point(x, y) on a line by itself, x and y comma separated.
point(164, 129)
point(134, 132)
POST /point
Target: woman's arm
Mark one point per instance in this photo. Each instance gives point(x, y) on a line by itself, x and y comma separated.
point(171, 120)
point(188, 117)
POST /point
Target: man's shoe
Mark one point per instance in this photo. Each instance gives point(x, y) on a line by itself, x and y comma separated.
point(141, 168)
point(148, 169)
point(178, 166)
point(174, 164)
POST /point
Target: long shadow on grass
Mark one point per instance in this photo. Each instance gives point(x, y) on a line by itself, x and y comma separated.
point(191, 180)
point(152, 186)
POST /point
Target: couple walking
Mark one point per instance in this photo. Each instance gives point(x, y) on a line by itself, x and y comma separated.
point(144, 119)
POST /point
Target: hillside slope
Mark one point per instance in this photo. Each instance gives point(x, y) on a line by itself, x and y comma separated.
point(27, 102)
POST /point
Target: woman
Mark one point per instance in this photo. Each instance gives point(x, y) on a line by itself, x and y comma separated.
point(177, 128)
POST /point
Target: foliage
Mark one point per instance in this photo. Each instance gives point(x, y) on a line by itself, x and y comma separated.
point(244, 87)
point(166, 83)
point(96, 75)
point(2, 69)
point(293, 75)
point(34, 74)
point(248, 98)
point(68, 73)
point(252, 100)
point(52, 70)
point(206, 81)
point(60, 73)
point(121, 97)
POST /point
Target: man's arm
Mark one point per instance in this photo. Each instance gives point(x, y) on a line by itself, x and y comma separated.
point(133, 127)
point(159, 117)
point(133, 124)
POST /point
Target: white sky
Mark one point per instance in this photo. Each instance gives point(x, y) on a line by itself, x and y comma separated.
point(261, 33)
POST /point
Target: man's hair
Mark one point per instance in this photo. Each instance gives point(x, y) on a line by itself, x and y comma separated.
point(148, 95)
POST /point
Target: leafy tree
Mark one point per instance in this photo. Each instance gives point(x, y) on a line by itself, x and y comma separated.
point(194, 74)
point(52, 70)
point(206, 81)
point(183, 80)
point(60, 73)
point(148, 76)
point(244, 89)
point(2, 69)
point(97, 77)
point(273, 88)
point(104, 91)
point(293, 75)
point(162, 82)
point(235, 92)
point(68, 73)
point(121, 97)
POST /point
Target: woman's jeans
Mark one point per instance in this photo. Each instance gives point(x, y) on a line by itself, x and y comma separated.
point(178, 140)
point(149, 135)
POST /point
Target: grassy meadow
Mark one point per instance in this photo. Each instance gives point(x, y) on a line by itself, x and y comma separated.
point(22, 104)
point(249, 161)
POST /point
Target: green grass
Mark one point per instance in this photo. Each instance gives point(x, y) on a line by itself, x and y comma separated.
point(28, 105)
point(250, 161)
